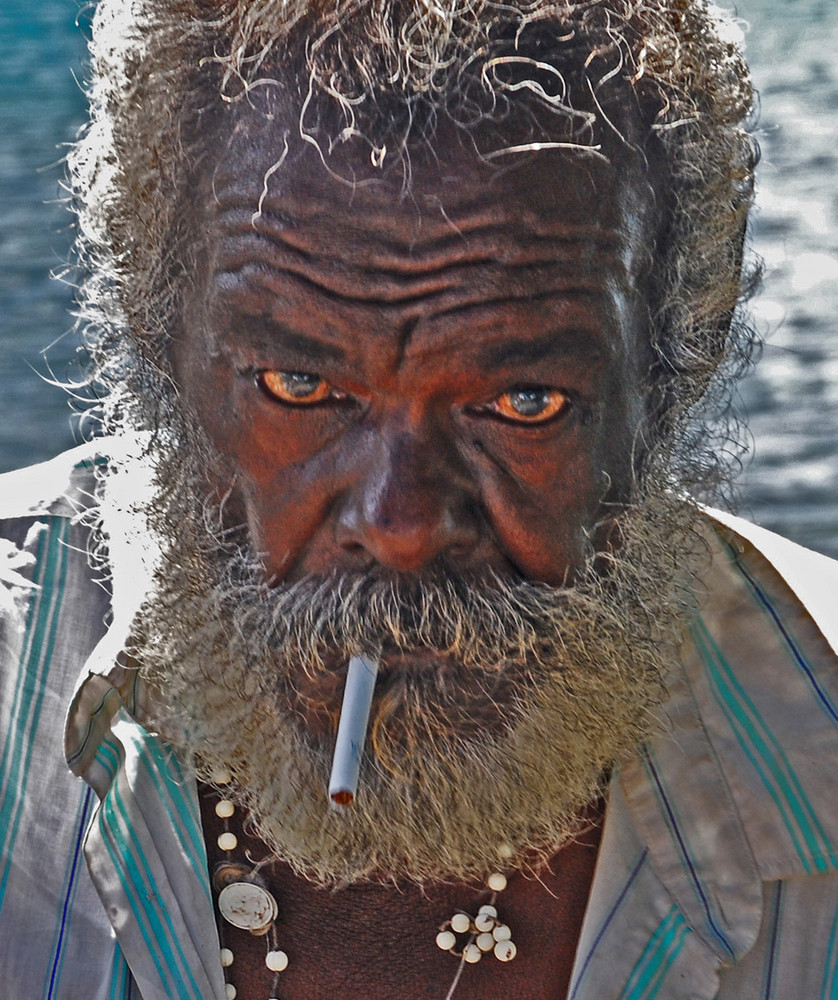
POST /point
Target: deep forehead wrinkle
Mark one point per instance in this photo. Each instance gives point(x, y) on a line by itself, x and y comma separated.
point(453, 276)
point(255, 288)
point(428, 269)
point(403, 241)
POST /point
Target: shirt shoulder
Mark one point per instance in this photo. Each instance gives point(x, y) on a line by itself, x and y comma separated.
point(811, 576)
point(54, 605)
point(756, 700)
point(61, 487)
point(738, 789)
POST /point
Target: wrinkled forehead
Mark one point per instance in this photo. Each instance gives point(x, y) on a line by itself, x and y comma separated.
point(522, 177)
point(515, 240)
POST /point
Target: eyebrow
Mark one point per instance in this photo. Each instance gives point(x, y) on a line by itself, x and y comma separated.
point(276, 335)
point(554, 345)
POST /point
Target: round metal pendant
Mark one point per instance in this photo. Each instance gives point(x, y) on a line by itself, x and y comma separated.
point(247, 906)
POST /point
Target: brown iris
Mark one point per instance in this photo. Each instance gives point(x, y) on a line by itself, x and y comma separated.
point(530, 404)
point(295, 388)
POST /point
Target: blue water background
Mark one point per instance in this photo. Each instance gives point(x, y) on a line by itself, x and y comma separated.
point(791, 483)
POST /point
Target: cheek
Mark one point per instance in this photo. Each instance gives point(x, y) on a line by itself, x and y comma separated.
point(288, 467)
point(257, 468)
point(543, 524)
point(258, 441)
point(205, 395)
point(544, 499)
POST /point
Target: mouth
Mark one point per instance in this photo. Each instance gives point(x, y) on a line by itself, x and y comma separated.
point(434, 682)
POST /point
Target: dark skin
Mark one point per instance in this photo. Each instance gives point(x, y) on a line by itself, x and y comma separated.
point(455, 378)
point(377, 941)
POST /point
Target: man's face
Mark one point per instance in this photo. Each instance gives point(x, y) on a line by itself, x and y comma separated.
point(425, 410)
point(451, 378)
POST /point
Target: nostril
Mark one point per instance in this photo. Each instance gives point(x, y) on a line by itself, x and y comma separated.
point(356, 557)
point(351, 543)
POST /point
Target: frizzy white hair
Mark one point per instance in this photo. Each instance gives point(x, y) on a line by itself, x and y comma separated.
point(661, 75)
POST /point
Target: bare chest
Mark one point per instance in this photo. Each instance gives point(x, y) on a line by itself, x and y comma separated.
point(378, 942)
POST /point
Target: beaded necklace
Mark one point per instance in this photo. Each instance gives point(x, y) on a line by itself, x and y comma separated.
point(245, 902)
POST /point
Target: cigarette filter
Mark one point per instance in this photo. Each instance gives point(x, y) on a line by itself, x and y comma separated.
point(352, 729)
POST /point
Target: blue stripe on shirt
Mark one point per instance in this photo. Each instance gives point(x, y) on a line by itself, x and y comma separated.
point(76, 861)
point(677, 832)
point(785, 632)
point(612, 913)
point(773, 909)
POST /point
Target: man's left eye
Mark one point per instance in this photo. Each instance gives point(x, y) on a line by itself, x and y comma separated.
point(530, 404)
point(294, 388)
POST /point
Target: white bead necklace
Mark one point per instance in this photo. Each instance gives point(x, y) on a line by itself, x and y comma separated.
point(245, 903)
point(471, 938)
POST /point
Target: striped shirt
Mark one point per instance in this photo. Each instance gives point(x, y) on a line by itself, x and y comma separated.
point(717, 874)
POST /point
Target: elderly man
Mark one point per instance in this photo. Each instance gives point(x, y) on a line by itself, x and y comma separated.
point(408, 320)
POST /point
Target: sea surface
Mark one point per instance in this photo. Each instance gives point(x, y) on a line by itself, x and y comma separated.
point(790, 482)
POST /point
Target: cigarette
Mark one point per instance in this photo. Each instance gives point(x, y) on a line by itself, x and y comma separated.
point(352, 729)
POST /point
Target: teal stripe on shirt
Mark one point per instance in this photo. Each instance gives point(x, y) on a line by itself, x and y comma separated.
point(130, 862)
point(121, 982)
point(662, 949)
point(175, 799)
point(762, 749)
point(108, 756)
point(829, 991)
point(41, 628)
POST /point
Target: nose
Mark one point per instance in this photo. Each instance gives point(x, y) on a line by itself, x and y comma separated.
point(409, 506)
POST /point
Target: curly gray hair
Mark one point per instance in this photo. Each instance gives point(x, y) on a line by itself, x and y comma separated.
point(662, 76)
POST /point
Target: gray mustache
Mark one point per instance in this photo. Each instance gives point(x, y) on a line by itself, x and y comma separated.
point(482, 620)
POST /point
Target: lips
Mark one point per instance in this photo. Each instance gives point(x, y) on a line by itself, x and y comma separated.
point(396, 668)
point(436, 681)
point(393, 662)
point(416, 661)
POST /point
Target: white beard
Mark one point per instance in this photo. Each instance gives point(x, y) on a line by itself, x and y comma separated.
point(506, 706)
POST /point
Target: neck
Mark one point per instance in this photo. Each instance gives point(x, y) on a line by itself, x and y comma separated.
point(375, 941)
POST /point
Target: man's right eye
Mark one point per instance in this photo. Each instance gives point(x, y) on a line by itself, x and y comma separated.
point(295, 388)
